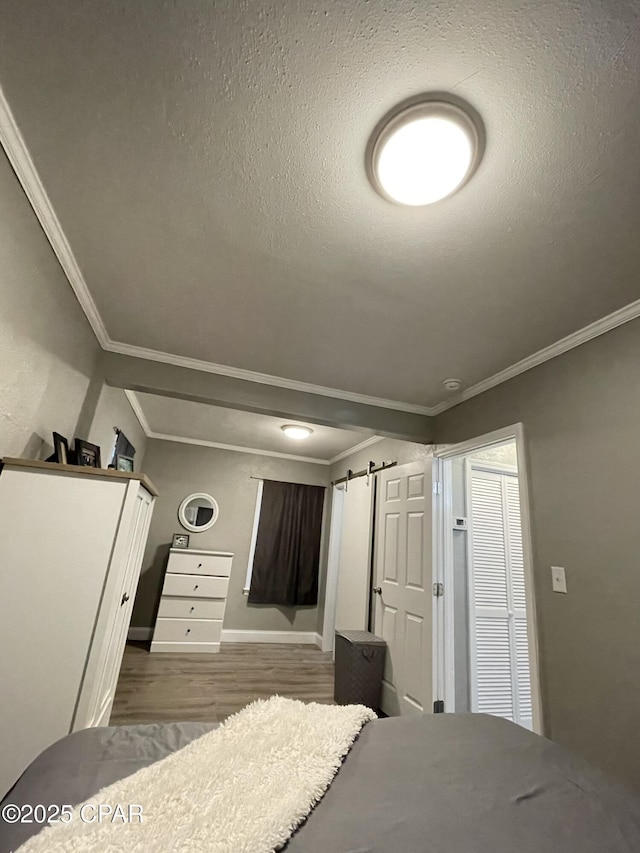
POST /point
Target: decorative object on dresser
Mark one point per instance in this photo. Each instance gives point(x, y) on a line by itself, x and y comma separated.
point(180, 540)
point(193, 600)
point(122, 447)
point(87, 454)
point(68, 577)
point(60, 449)
point(124, 463)
point(198, 512)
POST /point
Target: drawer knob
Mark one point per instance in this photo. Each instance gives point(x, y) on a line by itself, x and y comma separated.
point(196, 586)
point(191, 610)
point(188, 630)
point(199, 565)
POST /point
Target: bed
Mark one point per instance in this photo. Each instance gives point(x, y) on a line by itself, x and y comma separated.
point(455, 783)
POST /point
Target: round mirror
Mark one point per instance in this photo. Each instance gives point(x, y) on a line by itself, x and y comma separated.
point(198, 512)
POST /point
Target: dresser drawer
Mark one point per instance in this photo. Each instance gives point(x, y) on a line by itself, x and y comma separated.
point(187, 631)
point(192, 608)
point(200, 564)
point(196, 585)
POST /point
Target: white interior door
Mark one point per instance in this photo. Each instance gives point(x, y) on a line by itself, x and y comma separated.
point(499, 656)
point(403, 573)
point(352, 595)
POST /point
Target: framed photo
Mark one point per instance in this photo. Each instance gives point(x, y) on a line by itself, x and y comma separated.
point(60, 449)
point(180, 540)
point(87, 454)
point(124, 463)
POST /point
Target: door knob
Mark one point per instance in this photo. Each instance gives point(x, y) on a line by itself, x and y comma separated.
point(125, 598)
point(377, 590)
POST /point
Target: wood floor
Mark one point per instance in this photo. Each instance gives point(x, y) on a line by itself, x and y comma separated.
point(159, 688)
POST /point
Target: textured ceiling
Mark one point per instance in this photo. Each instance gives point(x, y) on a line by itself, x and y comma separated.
point(206, 163)
point(170, 417)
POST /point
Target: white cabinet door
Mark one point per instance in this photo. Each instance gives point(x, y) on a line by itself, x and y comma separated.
point(57, 540)
point(500, 678)
point(403, 612)
point(100, 682)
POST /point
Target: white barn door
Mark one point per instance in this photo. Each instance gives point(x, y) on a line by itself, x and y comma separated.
point(403, 575)
point(499, 659)
point(352, 595)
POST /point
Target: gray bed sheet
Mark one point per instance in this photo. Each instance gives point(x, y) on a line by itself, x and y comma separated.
point(456, 783)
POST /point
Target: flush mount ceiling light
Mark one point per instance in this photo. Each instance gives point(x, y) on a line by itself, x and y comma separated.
point(297, 432)
point(424, 152)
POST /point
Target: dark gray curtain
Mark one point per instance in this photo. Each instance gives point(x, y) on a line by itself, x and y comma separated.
point(123, 446)
point(287, 557)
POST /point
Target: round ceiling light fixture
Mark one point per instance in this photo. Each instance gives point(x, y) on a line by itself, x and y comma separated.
point(452, 384)
point(424, 152)
point(296, 432)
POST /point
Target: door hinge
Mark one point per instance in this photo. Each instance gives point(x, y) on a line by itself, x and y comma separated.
point(438, 590)
point(437, 487)
point(438, 706)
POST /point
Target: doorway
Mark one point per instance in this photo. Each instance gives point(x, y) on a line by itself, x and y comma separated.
point(485, 631)
point(379, 576)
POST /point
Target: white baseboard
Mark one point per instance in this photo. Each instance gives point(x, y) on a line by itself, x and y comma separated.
point(140, 634)
point(231, 636)
point(307, 637)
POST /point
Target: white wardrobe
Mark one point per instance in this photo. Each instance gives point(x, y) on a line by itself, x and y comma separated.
point(71, 546)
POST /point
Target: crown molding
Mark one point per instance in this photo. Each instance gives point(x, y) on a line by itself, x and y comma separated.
point(576, 339)
point(144, 423)
point(20, 159)
point(261, 378)
point(23, 166)
point(137, 411)
point(366, 443)
point(161, 436)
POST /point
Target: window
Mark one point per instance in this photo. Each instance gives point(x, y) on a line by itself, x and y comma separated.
point(285, 547)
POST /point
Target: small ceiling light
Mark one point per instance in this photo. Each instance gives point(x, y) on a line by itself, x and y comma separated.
point(297, 432)
point(424, 153)
point(452, 384)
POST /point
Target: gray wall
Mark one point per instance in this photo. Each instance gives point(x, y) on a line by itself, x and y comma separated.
point(178, 470)
point(581, 413)
point(47, 348)
point(114, 410)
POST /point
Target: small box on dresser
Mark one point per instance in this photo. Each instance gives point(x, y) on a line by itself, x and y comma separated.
point(194, 596)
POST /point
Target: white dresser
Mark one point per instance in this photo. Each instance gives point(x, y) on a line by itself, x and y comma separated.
point(70, 554)
point(193, 600)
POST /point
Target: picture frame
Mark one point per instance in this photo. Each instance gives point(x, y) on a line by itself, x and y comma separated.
point(61, 453)
point(180, 540)
point(124, 463)
point(87, 454)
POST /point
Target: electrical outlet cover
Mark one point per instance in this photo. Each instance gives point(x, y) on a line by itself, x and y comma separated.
point(558, 579)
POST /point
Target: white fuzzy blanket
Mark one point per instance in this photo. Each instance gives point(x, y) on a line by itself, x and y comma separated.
point(242, 788)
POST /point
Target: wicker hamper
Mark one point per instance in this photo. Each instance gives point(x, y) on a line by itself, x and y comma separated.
point(358, 668)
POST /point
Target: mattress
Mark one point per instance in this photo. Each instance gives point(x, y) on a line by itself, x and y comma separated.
point(456, 783)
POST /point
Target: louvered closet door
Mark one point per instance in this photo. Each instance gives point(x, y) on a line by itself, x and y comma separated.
point(500, 679)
